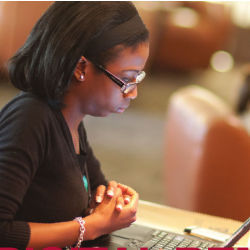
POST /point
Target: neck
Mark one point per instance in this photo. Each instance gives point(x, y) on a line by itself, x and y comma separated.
point(72, 113)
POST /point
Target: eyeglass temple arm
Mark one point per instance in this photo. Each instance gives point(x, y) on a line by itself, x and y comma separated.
point(119, 82)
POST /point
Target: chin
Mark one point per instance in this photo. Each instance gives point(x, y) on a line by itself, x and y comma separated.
point(102, 114)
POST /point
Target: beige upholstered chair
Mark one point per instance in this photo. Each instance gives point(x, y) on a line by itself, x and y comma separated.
point(207, 156)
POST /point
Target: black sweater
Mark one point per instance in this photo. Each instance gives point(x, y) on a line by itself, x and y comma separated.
point(40, 173)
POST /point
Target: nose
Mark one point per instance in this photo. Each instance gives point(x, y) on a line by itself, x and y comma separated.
point(132, 94)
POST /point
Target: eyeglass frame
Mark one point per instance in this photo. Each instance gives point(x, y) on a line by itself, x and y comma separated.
point(124, 86)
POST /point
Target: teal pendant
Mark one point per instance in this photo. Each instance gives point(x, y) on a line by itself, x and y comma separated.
point(85, 182)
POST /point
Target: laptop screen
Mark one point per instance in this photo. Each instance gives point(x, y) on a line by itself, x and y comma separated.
point(238, 234)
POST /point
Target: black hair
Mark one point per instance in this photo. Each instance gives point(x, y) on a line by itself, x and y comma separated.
point(45, 64)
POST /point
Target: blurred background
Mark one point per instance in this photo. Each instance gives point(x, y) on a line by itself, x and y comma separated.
point(197, 74)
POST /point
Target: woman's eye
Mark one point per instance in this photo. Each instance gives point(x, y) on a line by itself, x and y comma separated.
point(125, 79)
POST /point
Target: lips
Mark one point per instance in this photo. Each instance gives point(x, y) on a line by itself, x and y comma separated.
point(121, 109)
point(126, 105)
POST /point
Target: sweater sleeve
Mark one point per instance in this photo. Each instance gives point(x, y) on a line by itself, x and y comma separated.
point(94, 168)
point(22, 146)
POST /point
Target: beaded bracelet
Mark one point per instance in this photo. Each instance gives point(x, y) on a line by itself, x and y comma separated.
point(82, 231)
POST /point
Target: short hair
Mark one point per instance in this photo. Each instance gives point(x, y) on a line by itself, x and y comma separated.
point(45, 64)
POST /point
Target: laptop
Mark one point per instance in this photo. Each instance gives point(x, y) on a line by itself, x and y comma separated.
point(138, 236)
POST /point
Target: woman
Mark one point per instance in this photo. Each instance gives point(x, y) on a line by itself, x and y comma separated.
point(81, 58)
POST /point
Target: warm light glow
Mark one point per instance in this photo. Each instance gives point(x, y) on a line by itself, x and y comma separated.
point(185, 17)
point(240, 11)
point(222, 61)
point(148, 6)
point(214, 1)
point(241, 14)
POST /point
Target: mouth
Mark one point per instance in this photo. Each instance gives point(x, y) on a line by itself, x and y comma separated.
point(122, 109)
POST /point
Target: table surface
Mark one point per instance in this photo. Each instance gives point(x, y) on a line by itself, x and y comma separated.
point(175, 220)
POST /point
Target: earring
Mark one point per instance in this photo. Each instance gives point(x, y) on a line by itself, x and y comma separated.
point(81, 77)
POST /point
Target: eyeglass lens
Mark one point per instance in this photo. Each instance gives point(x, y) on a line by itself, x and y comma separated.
point(141, 75)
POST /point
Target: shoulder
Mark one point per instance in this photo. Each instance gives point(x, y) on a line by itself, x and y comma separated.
point(26, 102)
point(26, 114)
point(26, 106)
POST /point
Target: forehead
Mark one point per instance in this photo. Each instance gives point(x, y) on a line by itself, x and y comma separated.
point(131, 58)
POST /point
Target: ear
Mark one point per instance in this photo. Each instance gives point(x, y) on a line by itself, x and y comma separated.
point(80, 69)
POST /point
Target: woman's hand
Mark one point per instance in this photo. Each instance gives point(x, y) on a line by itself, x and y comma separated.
point(127, 192)
point(107, 217)
point(121, 200)
point(104, 219)
point(101, 191)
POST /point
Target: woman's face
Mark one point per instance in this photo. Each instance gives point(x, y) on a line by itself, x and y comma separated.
point(99, 95)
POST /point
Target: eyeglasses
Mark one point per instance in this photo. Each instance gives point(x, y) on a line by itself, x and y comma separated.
point(126, 87)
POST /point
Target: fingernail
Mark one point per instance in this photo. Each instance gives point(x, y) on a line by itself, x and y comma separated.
point(98, 199)
point(127, 200)
point(110, 193)
point(119, 207)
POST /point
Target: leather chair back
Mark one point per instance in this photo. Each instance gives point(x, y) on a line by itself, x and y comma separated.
point(207, 156)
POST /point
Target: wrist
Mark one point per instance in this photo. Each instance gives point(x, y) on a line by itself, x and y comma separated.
point(81, 225)
point(94, 227)
point(81, 231)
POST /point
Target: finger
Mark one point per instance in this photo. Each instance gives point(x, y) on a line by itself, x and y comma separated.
point(100, 191)
point(111, 188)
point(132, 194)
point(119, 204)
point(133, 219)
point(126, 199)
point(126, 189)
point(134, 202)
point(118, 193)
point(130, 221)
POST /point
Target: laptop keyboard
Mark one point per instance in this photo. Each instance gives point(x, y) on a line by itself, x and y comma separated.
point(169, 241)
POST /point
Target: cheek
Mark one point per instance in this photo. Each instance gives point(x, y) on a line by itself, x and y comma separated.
point(112, 98)
point(107, 94)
